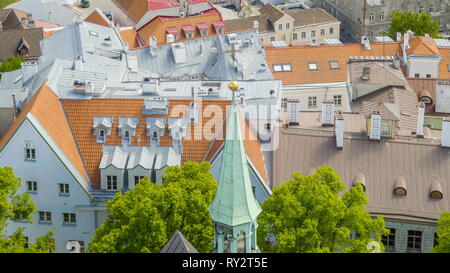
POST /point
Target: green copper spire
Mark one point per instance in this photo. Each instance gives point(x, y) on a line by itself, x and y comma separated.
point(235, 209)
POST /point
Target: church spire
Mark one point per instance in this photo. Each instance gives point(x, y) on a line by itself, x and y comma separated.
point(234, 209)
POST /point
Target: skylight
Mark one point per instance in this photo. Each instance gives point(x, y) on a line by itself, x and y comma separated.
point(334, 65)
point(282, 68)
point(313, 66)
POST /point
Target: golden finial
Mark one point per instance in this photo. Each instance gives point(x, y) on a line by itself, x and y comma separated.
point(233, 85)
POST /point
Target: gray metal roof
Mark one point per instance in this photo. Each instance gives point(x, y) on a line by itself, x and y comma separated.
point(178, 244)
point(210, 57)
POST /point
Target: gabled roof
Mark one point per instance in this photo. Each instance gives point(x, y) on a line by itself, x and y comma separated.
point(12, 19)
point(313, 16)
point(10, 39)
point(46, 108)
point(422, 45)
point(273, 13)
point(97, 17)
point(178, 244)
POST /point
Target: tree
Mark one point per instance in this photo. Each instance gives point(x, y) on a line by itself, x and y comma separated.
point(144, 219)
point(4, 3)
point(306, 214)
point(443, 234)
point(419, 23)
point(11, 64)
point(14, 206)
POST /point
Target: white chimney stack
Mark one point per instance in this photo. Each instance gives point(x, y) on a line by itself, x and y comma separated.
point(339, 129)
point(399, 36)
point(420, 120)
point(255, 24)
point(327, 113)
point(28, 70)
point(446, 132)
point(153, 43)
point(293, 107)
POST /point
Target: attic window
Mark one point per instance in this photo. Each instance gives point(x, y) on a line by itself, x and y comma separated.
point(312, 66)
point(436, 190)
point(387, 128)
point(400, 186)
point(360, 179)
point(282, 68)
point(334, 65)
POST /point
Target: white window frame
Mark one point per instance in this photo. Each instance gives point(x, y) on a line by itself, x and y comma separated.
point(337, 100)
point(137, 179)
point(47, 217)
point(111, 182)
point(64, 189)
point(30, 151)
point(33, 188)
point(313, 66)
point(71, 217)
point(312, 102)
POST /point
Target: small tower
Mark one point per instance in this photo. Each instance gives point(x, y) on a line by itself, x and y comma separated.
point(234, 209)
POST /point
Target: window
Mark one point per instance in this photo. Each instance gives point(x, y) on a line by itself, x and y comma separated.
point(45, 217)
point(322, 32)
point(64, 189)
point(280, 27)
point(272, 39)
point(288, 25)
point(101, 136)
point(303, 35)
point(313, 33)
point(331, 30)
point(432, 9)
point(414, 239)
point(126, 137)
point(204, 33)
point(294, 36)
point(312, 102)
point(30, 151)
point(436, 240)
point(137, 179)
point(371, 17)
point(111, 182)
point(337, 100)
point(417, 75)
point(386, 128)
point(443, 8)
point(284, 103)
point(155, 134)
point(254, 191)
point(282, 68)
point(312, 66)
point(389, 240)
point(32, 186)
point(267, 127)
point(370, 32)
point(428, 75)
point(334, 65)
point(421, 9)
point(381, 16)
point(69, 218)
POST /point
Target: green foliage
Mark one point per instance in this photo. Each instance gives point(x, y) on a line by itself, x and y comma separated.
point(419, 23)
point(443, 233)
point(144, 219)
point(11, 64)
point(14, 206)
point(4, 3)
point(306, 214)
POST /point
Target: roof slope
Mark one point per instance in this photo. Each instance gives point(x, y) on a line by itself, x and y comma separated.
point(178, 244)
point(10, 39)
point(47, 109)
point(97, 17)
point(300, 56)
point(423, 46)
point(80, 114)
point(312, 16)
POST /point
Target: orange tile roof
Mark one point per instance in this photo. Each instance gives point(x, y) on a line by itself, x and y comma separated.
point(47, 109)
point(444, 72)
point(422, 45)
point(129, 36)
point(80, 114)
point(300, 56)
point(135, 8)
point(158, 27)
point(97, 17)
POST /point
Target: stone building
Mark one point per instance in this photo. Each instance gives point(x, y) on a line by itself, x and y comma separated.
point(376, 17)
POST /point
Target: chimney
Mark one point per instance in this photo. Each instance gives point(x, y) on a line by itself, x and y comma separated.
point(375, 126)
point(399, 36)
point(28, 70)
point(14, 107)
point(446, 132)
point(396, 61)
point(366, 72)
point(153, 43)
point(293, 108)
point(78, 64)
point(255, 24)
point(365, 41)
point(327, 113)
point(339, 130)
point(420, 120)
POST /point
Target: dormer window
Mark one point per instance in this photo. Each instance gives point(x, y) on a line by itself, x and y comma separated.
point(387, 128)
point(400, 186)
point(155, 129)
point(23, 47)
point(188, 31)
point(219, 26)
point(436, 190)
point(203, 29)
point(127, 128)
point(102, 128)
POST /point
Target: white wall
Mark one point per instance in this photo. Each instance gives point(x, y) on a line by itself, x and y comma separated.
point(48, 171)
point(111, 170)
point(423, 66)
